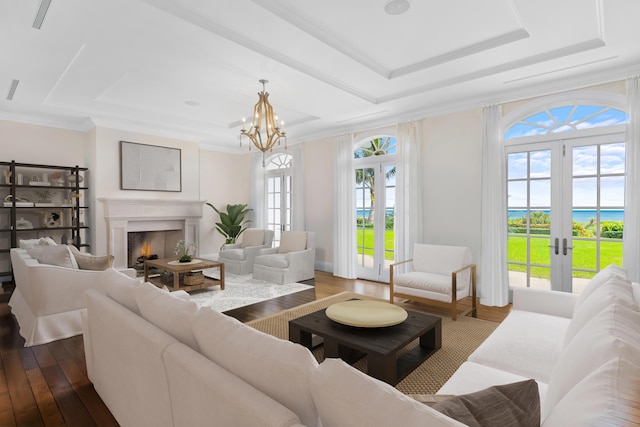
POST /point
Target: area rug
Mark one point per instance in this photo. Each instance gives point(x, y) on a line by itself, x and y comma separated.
point(459, 340)
point(241, 290)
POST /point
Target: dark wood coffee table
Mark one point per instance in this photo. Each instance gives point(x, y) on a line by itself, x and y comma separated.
point(380, 345)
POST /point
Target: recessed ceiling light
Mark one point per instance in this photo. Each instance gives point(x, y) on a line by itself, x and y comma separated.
point(192, 103)
point(397, 7)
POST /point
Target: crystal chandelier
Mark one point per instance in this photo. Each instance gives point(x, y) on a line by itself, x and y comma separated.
point(263, 138)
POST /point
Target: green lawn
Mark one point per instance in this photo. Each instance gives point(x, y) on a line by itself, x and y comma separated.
point(584, 255)
point(364, 242)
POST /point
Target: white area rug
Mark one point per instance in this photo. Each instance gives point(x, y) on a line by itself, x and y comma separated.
point(240, 291)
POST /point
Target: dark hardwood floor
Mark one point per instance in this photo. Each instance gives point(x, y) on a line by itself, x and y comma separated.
point(47, 385)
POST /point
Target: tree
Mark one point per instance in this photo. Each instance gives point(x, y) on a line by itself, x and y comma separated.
point(366, 176)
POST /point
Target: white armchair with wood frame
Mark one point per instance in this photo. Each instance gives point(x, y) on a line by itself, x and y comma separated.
point(238, 258)
point(436, 273)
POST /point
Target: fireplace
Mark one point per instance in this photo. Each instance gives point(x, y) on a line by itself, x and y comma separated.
point(162, 221)
point(143, 245)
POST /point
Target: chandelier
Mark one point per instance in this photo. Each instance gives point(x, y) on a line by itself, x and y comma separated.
point(264, 138)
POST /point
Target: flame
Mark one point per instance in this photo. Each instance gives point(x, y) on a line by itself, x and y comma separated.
point(146, 249)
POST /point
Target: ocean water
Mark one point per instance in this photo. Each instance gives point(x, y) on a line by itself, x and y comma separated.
point(580, 215)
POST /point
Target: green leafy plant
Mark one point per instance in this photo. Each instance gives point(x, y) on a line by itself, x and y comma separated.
point(232, 222)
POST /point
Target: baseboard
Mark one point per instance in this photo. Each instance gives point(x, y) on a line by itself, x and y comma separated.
point(324, 266)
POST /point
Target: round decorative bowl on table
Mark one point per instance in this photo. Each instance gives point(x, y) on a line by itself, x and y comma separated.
point(366, 313)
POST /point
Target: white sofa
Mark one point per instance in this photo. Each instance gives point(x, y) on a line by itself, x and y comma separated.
point(48, 299)
point(158, 360)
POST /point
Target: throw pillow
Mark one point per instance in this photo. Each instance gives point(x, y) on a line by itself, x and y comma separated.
point(516, 404)
point(252, 237)
point(599, 279)
point(36, 243)
point(292, 241)
point(58, 255)
point(91, 262)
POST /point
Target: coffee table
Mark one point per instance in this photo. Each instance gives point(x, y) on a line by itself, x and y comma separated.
point(177, 268)
point(380, 345)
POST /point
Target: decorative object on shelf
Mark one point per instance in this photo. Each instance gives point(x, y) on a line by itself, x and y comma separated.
point(263, 138)
point(149, 167)
point(73, 178)
point(232, 222)
point(52, 218)
point(43, 196)
point(57, 178)
point(21, 202)
point(7, 176)
point(36, 181)
point(185, 252)
point(19, 179)
point(23, 224)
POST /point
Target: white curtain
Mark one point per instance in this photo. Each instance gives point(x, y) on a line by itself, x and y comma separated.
point(494, 279)
point(408, 224)
point(344, 232)
point(256, 192)
point(631, 240)
point(297, 188)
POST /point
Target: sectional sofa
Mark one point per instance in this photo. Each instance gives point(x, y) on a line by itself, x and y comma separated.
point(156, 359)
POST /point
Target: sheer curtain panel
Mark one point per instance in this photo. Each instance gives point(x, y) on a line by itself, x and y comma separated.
point(631, 240)
point(408, 228)
point(256, 192)
point(344, 234)
point(297, 189)
point(494, 278)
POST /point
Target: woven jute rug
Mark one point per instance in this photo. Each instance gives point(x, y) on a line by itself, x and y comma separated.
point(459, 340)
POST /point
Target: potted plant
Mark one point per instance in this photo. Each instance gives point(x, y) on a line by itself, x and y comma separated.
point(185, 252)
point(232, 222)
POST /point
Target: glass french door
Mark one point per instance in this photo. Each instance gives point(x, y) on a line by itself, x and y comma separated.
point(565, 210)
point(278, 201)
point(375, 213)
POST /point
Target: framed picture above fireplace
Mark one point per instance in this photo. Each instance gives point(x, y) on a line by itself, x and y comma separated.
point(150, 167)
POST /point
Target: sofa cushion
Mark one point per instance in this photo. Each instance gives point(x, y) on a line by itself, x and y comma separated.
point(347, 397)
point(608, 396)
point(426, 281)
point(526, 343)
point(278, 368)
point(613, 291)
point(292, 241)
point(169, 313)
point(87, 261)
point(34, 243)
point(233, 254)
point(58, 255)
point(252, 237)
point(119, 287)
point(611, 333)
point(273, 260)
point(440, 259)
point(515, 404)
point(609, 272)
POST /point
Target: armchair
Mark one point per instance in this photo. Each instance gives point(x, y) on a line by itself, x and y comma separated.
point(238, 257)
point(292, 261)
point(437, 273)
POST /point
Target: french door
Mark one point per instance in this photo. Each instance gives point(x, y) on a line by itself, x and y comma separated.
point(565, 210)
point(375, 213)
point(278, 201)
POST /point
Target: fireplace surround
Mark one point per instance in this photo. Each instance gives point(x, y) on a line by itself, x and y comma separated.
point(137, 215)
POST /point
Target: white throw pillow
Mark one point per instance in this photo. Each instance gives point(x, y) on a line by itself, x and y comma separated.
point(603, 398)
point(279, 368)
point(87, 261)
point(609, 272)
point(171, 314)
point(613, 291)
point(611, 333)
point(292, 241)
point(252, 237)
point(34, 243)
point(119, 287)
point(58, 255)
point(345, 396)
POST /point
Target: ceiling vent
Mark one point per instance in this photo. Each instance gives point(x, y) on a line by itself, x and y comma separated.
point(42, 13)
point(12, 89)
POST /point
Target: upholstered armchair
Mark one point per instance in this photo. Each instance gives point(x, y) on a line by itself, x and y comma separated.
point(436, 273)
point(238, 257)
point(292, 261)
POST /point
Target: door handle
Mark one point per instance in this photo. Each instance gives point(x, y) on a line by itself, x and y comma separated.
point(556, 246)
point(565, 247)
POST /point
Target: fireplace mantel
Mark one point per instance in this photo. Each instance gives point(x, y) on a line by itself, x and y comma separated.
point(124, 215)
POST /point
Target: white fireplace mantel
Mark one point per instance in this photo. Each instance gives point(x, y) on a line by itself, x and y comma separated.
point(124, 215)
